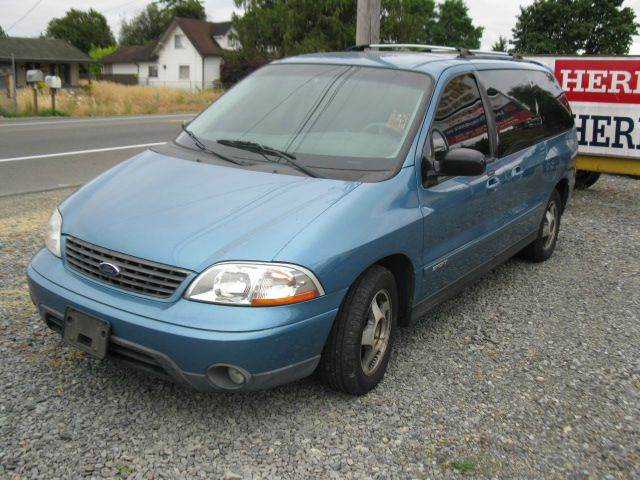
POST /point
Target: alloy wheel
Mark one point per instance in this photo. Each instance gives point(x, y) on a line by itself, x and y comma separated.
point(375, 336)
point(550, 226)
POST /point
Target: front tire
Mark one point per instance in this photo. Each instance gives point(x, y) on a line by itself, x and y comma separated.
point(585, 179)
point(542, 247)
point(356, 355)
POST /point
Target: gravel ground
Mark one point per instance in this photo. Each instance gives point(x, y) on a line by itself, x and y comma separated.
point(533, 372)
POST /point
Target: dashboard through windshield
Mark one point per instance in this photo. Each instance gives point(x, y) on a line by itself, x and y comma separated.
point(338, 121)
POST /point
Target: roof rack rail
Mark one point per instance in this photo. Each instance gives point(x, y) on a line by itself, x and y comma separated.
point(462, 52)
point(410, 46)
point(491, 53)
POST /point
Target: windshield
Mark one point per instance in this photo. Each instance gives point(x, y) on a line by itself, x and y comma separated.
point(340, 121)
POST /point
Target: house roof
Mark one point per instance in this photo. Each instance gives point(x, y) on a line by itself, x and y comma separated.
point(131, 54)
point(221, 28)
point(199, 32)
point(41, 50)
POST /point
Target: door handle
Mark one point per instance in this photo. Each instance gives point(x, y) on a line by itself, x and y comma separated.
point(517, 171)
point(492, 183)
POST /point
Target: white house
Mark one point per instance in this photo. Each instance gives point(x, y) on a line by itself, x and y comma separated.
point(187, 55)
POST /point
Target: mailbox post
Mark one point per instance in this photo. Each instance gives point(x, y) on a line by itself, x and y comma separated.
point(33, 77)
point(54, 83)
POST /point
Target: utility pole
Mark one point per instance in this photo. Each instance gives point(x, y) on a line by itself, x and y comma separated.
point(368, 22)
point(14, 80)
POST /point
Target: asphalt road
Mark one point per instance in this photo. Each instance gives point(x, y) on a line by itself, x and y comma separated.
point(47, 153)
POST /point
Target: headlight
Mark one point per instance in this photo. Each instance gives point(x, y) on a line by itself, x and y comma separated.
point(254, 283)
point(52, 235)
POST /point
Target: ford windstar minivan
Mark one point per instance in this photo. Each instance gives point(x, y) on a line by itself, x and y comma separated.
point(316, 207)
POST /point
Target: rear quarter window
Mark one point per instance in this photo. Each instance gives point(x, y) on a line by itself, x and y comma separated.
point(556, 113)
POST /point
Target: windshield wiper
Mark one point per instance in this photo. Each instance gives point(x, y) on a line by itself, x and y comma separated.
point(265, 150)
point(206, 149)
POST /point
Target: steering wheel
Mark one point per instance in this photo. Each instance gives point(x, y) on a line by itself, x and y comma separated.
point(380, 128)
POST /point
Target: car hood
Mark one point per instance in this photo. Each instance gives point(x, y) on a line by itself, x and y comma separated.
point(191, 215)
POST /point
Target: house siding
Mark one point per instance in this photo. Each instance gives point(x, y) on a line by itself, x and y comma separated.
point(203, 72)
point(171, 58)
point(123, 69)
point(211, 70)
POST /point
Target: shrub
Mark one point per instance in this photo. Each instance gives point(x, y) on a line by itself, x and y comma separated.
point(237, 65)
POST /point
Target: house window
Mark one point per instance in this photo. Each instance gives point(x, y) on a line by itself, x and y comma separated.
point(178, 41)
point(184, 72)
point(153, 71)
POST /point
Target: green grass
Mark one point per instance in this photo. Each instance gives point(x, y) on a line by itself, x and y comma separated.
point(49, 112)
point(45, 112)
point(462, 466)
point(123, 470)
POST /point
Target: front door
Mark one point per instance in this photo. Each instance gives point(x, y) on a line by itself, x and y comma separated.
point(458, 211)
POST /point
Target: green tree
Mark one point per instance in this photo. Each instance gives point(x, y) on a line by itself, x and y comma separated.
point(153, 20)
point(2, 33)
point(575, 26)
point(287, 27)
point(408, 21)
point(145, 27)
point(184, 8)
point(97, 53)
point(455, 26)
point(500, 45)
point(84, 30)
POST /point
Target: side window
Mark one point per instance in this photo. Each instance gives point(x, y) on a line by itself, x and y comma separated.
point(554, 107)
point(514, 100)
point(460, 121)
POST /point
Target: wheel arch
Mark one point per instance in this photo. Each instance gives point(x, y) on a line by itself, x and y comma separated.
point(563, 189)
point(401, 267)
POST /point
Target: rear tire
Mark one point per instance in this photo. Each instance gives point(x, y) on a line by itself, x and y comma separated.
point(542, 247)
point(585, 179)
point(355, 357)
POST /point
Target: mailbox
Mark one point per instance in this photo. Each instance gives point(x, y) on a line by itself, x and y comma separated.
point(34, 76)
point(53, 81)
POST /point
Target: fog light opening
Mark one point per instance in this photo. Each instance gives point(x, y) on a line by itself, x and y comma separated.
point(236, 376)
point(228, 377)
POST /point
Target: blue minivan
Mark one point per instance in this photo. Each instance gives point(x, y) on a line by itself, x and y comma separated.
point(316, 207)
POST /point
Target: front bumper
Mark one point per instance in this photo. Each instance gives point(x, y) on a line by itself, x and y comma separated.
point(152, 335)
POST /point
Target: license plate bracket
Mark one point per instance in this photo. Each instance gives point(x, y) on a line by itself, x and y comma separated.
point(86, 333)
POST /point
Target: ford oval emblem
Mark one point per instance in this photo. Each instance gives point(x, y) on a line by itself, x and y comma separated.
point(109, 269)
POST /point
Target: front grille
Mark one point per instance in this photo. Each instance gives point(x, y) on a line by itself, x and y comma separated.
point(136, 359)
point(136, 275)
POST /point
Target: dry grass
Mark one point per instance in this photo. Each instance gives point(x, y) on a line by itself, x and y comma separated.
point(108, 98)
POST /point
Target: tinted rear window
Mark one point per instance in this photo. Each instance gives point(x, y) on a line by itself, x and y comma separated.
point(528, 106)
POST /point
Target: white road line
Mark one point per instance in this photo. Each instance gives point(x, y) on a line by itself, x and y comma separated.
point(104, 119)
point(80, 152)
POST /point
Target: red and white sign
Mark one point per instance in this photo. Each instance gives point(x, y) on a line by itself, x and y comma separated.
point(604, 93)
point(606, 81)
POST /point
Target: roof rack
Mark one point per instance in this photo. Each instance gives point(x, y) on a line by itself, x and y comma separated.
point(410, 46)
point(462, 52)
point(493, 54)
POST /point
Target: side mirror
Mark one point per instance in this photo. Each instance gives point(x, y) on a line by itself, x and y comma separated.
point(463, 162)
